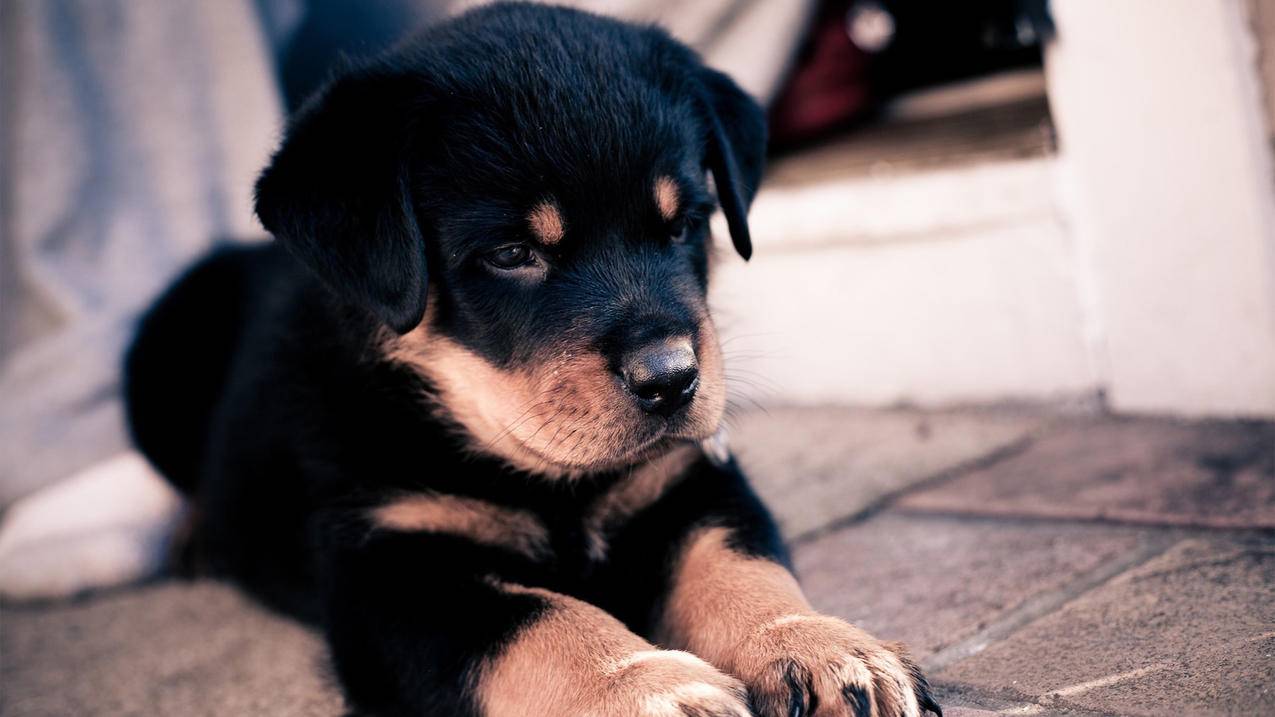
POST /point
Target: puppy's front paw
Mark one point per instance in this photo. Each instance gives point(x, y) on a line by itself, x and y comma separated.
point(669, 683)
point(817, 666)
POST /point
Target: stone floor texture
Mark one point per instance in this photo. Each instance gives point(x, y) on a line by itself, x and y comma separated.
point(1036, 563)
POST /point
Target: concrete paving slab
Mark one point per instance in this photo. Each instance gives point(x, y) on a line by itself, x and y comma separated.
point(172, 648)
point(962, 701)
point(1155, 471)
point(1189, 632)
point(814, 466)
point(933, 582)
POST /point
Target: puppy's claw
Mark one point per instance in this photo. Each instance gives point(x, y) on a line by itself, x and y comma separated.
point(817, 665)
point(921, 686)
point(925, 699)
point(857, 698)
point(800, 691)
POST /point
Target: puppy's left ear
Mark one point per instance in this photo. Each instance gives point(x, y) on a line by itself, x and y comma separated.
point(338, 194)
point(736, 151)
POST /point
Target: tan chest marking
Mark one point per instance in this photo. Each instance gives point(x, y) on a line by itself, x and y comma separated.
point(639, 490)
point(515, 530)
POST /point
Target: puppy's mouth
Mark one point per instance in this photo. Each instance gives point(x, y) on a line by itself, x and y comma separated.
point(581, 439)
point(642, 442)
point(570, 412)
point(622, 457)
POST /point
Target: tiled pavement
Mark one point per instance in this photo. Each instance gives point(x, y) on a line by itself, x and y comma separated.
point(1036, 564)
point(1043, 565)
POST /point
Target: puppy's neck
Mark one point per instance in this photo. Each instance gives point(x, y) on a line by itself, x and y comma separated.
point(635, 490)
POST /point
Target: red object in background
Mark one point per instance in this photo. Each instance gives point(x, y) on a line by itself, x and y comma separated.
point(860, 53)
point(828, 88)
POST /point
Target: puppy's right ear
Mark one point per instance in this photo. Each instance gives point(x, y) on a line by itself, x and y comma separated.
point(338, 194)
point(736, 151)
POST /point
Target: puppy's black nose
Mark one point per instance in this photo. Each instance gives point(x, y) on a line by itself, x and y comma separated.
point(663, 375)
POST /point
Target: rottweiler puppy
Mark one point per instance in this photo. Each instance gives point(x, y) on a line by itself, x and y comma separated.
point(456, 413)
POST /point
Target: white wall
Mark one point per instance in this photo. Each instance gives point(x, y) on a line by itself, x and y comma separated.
point(1140, 261)
point(948, 286)
point(1167, 173)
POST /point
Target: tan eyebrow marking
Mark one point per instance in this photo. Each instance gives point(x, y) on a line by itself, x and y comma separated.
point(546, 222)
point(666, 197)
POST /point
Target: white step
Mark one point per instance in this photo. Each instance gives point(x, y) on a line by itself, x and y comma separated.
point(937, 286)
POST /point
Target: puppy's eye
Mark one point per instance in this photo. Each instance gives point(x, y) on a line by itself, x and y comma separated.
point(678, 230)
point(510, 256)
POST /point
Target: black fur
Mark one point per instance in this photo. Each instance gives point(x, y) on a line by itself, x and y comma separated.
point(498, 108)
point(256, 384)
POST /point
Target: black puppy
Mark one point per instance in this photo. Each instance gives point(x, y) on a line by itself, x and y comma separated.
point(454, 414)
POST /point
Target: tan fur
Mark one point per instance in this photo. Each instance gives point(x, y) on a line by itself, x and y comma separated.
point(667, 198)
point(638, 490)
point(546, 223)
point(719, 597)
point(829, 655)
point(478, 520)
point(748, 617)
point(482, 399)
point(560, 415)
point(578, 660)
point(705, 413)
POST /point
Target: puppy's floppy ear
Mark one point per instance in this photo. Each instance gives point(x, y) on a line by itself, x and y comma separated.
point(736, 151)
point(338, 194)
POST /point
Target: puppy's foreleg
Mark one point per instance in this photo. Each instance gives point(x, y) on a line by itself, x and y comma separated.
point(733, 602)
point(406, 640)
point(576, 659)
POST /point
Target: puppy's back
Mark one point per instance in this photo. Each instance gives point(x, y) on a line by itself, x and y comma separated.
point(175, 369)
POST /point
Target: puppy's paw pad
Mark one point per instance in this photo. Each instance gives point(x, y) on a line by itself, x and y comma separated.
point(817, 665)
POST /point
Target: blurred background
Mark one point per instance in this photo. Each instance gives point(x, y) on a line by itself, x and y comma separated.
point(968, 202)
point(1026, 241)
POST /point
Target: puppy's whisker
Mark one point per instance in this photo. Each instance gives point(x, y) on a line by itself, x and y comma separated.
point(751, 381)
point(741, 388)
point(554, 438)
point(738, 383)
point(757, 382)
point(738, 337)
point(733, 402)
point(580, 439)
point(567, 437)
point(583, 418)
point(737, 370)
point(553, 418)
point(518, 422)
point(537, 411)
point(749, 355)
point(731, 337)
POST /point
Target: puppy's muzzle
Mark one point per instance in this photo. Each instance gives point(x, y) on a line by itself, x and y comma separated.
point(662, 375)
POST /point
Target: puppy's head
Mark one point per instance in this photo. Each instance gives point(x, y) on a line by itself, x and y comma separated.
point(521, 198)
